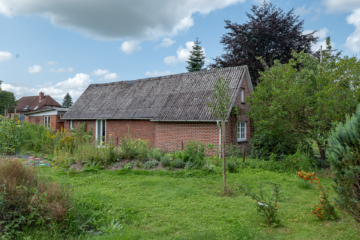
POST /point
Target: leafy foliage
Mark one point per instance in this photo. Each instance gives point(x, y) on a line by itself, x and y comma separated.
point(266, 202)
point(197, 58)
point(134, 148)
point(7, 101)
point(150, 164)
point(344, 155)
point(269, 33)
point(179, 163)
point(291, 106)
point(195, 154)
point(165, 161)
point(10, 135)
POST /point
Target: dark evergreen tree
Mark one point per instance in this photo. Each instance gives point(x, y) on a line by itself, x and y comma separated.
point(197, 58)
point(7, 101)
point(270, 34)
point(67, 102)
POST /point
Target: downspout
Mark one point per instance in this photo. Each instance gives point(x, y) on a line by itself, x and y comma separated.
point(219, 126)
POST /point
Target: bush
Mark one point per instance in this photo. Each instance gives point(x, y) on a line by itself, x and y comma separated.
point(232, 166)
point(194, 153)
point(10, 133)
point(150, 164)
point(27, 200)
point(156, 154)
point(266, 201)
point(179, 163)
point(165, 161)
point(344, 155)
point(134, 148)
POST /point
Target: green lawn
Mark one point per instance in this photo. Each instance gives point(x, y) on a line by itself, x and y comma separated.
point(160, 206)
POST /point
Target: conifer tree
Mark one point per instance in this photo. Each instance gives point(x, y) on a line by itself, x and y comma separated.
point(197, 58)
point(67, 102)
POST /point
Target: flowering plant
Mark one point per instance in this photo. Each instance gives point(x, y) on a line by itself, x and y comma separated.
point(324, 210)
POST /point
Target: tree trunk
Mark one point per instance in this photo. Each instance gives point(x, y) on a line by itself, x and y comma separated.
point(223, 154)
point(321, 150)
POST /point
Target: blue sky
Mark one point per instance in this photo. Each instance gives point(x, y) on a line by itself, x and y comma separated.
point(62, 46)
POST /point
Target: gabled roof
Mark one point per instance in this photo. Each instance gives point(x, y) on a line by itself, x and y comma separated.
point(180, 97)
point(32, 102)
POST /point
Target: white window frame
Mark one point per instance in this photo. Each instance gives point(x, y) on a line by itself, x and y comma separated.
point(71, 124)
point(102, 123)
point(242, 92)
point(241, 125)
point(47, 121)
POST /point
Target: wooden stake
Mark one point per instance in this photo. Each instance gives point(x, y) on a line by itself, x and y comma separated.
point(244, 155)
point(182, 145)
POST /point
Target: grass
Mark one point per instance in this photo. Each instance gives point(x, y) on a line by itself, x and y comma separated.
point(170, 206)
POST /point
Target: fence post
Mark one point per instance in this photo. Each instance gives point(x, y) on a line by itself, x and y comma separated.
point(117, 141)
point(244, 155)
point(182, 145)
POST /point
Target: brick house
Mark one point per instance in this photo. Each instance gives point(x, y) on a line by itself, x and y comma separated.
point(167, 111)
point(50, 118)
point(34, 103)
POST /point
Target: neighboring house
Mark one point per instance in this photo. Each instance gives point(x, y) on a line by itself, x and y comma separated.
point(34, 103)
point(50, 118)
point(167, 111)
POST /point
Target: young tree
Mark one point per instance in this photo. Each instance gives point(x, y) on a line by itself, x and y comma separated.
point(302, 99)
point(219, 107)
point(67, 102)
point(197, 58)
point(7, 101)
point(269, 33)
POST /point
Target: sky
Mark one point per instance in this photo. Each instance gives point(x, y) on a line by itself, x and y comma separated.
point(62, 46)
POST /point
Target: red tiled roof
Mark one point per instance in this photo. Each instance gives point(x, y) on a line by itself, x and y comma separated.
point(33, 101)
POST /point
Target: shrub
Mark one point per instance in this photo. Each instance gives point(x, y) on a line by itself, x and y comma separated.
point(156, 154)
point(232, 166)
point(128, 166)
point(266, 201)
point(150, 164)
point(134, 148)
point(194, 153)
point(179, 163)
point(344, 155)
point(189, 165)
point(10, 133)
point(27, 200)
point(165, 161)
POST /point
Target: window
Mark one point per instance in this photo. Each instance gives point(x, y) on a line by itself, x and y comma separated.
point(242, 95)
point(47, 121)
point(71, 124)
point(241, 131)
point(26, 107)
point(101, 132)
point(22, 117)
point(48, 107)
point(36, 107)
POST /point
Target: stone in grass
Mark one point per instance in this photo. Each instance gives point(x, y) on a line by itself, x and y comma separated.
point(37, 159)
point(44, 161)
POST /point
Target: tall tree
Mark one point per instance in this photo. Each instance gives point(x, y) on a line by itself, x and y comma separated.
point(197, 58)
point(270, 33)
point(302, 99)
point(67, 102)
point(7, 101)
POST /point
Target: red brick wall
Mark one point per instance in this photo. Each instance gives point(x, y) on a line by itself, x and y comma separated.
point(169, 135)
point(90, 124)
point(37, 120)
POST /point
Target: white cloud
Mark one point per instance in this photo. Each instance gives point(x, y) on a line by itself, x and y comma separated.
point(35, 69)
point(166, 42)
point(60, 70)
point(157, 73)
point(182, 54)
point(74, 86)
point(302, 10)
point(51, 63)
point(100, 72)
point(321, 34)
point(110, 77)
point(341, 5)
point(171, 60)
point(117, 19)
point(353, 41)
point(5, 56)
point(130, 46)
